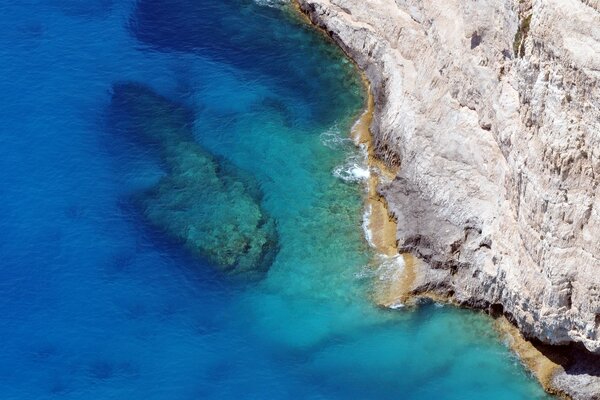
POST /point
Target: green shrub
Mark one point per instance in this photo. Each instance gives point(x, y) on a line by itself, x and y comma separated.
point(520, 36)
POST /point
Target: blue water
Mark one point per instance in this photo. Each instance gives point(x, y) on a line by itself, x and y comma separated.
point(97, 304)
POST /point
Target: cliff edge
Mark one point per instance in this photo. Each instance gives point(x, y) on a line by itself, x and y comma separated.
point(491, 109)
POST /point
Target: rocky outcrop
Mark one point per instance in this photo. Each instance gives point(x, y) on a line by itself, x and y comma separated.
point(205, 203)
point(491, 109)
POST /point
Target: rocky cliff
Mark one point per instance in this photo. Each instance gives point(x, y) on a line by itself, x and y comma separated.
point(491, 109)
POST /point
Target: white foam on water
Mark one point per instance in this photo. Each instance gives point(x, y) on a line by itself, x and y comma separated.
point(390, 267)
point(272, 3)
point(396, 305)
point(391, 272)
point(355, 168)
point(366, 272)
point(333, 139)
point(366, 225)
point(384, 268)
point(360, 173)
point(351, 172)
point(355, 136)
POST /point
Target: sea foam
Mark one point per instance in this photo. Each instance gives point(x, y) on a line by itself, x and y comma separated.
point(272, 3)
point(355, 168)
point(332, 138)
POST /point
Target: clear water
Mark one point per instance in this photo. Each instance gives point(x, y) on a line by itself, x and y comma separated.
point(95, 304)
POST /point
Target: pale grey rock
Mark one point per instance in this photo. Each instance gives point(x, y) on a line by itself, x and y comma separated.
point(499, 152)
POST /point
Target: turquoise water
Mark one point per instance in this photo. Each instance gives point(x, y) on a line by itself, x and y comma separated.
point(100, 303)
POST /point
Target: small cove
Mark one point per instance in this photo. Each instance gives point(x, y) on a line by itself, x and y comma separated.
point(97, 304)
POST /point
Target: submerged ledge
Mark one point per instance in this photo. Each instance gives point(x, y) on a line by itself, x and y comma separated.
point(207, 204)
point(555, 367)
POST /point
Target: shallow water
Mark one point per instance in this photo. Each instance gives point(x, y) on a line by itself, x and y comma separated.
point(98, 304)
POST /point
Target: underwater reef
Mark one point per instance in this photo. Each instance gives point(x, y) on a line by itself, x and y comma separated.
point(206, 203)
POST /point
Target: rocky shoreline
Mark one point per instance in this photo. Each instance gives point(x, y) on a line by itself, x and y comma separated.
point(489, 111)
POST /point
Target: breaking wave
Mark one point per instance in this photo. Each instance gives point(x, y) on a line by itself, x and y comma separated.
point(333, 139)
point(355, 168)
point(272, 3)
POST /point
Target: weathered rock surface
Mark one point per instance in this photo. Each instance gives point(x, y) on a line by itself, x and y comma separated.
point(205, 203)
point(491, 108)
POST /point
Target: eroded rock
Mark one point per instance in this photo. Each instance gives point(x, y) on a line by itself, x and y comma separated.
point(497, 136)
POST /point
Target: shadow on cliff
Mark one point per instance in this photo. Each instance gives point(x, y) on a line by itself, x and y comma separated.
point(574, 358)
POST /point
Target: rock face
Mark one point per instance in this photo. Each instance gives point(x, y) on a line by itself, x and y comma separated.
point(205, 203)
point(491, 108)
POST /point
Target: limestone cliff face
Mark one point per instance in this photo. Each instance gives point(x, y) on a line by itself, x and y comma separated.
point(491, 108)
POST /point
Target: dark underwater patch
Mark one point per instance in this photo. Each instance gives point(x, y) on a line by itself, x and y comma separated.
point(254, 40)
point(85, 9)
point(207, 204)
point(31, 34)
point(104, 369)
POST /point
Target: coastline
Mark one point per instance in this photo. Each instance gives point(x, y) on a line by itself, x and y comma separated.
point(399, 272)
point(542, 367)
point(395, 271)
point(381, 225)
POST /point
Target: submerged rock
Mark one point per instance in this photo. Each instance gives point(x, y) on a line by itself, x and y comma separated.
point(203, 202)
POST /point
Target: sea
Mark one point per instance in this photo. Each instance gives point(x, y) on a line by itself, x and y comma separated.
point(98, 301)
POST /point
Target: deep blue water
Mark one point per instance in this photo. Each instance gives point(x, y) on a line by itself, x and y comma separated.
point(97, 304)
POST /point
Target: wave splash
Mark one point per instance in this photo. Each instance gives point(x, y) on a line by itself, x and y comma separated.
point(272, 3)
point(356, 167)
point(333, 139)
